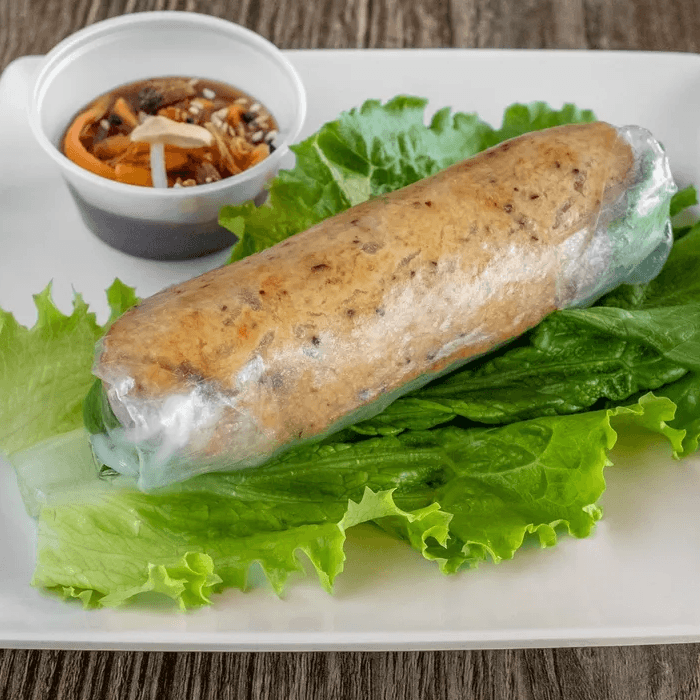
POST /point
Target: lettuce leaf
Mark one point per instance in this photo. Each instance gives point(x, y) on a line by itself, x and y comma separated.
point(683, 199)
point(520, 119)
point(565, 368)
point(456, 496)
point(45, 371)
point(685, 394)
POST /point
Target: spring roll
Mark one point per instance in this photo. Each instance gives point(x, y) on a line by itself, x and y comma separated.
point(331, 325)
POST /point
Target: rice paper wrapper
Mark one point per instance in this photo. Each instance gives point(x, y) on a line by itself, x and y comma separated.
point(160, 441)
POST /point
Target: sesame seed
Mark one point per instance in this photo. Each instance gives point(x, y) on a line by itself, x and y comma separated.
point(255, 107)
point(209, 94)
point(222, 113)
point(241, 101)
point(257, 137)
point(193, 110)
point(208, 180)
point(104, 124)
point(271, 136)
point(177, 184)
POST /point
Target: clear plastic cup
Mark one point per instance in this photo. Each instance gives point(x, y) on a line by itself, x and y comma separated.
point(173, 223)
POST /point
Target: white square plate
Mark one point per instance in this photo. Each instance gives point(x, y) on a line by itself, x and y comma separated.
point(633, 581)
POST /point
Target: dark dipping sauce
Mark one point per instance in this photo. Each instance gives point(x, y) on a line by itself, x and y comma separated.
point(151, 239)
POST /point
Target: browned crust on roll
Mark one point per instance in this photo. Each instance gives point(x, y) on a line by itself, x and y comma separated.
point(337, 294)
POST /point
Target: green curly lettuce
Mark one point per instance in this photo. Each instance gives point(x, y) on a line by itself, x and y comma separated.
point(463, 471)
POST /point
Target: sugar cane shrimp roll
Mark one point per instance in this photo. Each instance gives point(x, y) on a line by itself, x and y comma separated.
point(331, 325)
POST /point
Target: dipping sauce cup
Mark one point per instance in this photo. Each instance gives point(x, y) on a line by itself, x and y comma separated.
point(172, 223)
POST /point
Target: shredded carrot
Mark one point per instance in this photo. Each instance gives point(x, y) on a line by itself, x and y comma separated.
point(201, 154)
point(123, 111)
point(244, 153)
point(247, 156)
point(134, 175)
point(172, 112)
point(175, 158)
point(259, 153)
point(203, 157)
point(74, 149)
point(235, 112)
point(111, 147)
point(226, 160)
point(99, 109)
point(136, 153)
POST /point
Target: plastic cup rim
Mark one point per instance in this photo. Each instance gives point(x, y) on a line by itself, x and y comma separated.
point(88, 34)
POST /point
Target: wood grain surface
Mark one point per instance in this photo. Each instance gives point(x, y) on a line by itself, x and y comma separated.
point(624, 673)
point(34, 26)
point(618, 673)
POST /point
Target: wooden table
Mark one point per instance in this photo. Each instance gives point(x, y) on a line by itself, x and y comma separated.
point(637, 673)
